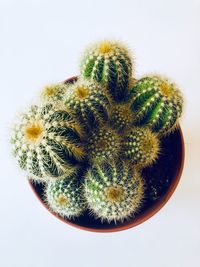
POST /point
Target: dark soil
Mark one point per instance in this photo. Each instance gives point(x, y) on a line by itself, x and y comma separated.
point(158, 179)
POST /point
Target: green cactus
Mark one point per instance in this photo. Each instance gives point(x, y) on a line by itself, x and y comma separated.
point(114, 191)
point(47, 142)
point(157, 103)
point(103, 144)
point(88, 102)
point(121, 117)
point(108, 62)
point(53, 93)
point(65, 197)
point(141, 146)
point(90, 137)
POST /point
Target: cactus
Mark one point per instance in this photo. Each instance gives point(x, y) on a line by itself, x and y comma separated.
point(53, 93)
point(157, 103)
point(47, 142)
point(108, 62)
point(90, 137)
point(121, 117)
point(103, 144)
point(65, 197)
point(141, 146)
point(88, 102)
point(114, 191)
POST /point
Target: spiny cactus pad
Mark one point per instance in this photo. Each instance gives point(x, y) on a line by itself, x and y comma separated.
point(114, 191)
point(141, 146)
point(47, 142)
point(88, 102)
point(156, 102)
point(65, 197)
point(53, 92)
point(109, 63)
point(103, 144)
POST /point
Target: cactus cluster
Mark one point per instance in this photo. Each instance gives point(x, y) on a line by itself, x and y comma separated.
point(88, 141)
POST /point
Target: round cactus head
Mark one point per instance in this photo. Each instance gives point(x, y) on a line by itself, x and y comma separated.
point(53, 92)
point(114, 191)
point(88, 102)
point(47, 142)
point(121, 117)
point(103, 144)
point(140, 146)
point(108, 62)
point(157, 103)
point(65, 197)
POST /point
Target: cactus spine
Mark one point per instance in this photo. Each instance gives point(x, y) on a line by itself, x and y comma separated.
point(157, 103)
point(109, 63)
point(65, 197)
point(114, 191)
point(88, 102)
point(141, 146)
point(47, 143)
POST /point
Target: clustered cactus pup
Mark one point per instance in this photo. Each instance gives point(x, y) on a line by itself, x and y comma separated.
point(88, 102)
point(114, 190)
point(157, 102)
point(87, 142)
point(65, 196)
point(110, 64)
point(47, 142)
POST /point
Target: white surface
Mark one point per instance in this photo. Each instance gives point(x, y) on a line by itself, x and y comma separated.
point(40, 42)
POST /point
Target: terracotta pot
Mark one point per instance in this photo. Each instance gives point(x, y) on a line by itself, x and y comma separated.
point(170, 162)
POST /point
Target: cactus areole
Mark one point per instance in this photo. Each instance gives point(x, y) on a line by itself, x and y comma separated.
point(103, 151)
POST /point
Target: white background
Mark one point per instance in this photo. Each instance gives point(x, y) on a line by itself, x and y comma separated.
point(41, 41)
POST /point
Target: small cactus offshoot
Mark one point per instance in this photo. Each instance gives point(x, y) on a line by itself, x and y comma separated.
point(103, 144)
point(114, 191)
point(121, 117)
point(53, 92)
point(157, 102)
point(47, 142)
point(65, 197)
point(109, 63)
point(141, 146)
point(88, 102)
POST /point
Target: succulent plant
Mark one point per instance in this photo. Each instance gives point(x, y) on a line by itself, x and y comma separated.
point(88, 102)
point(121, 117)
point(103, 144)
point(157, 103)
point(47, 142)
point(109, 63)
point(90, 137)
point(114, 190)
point(141, 146)
point(53, 92)
point(65, 196)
